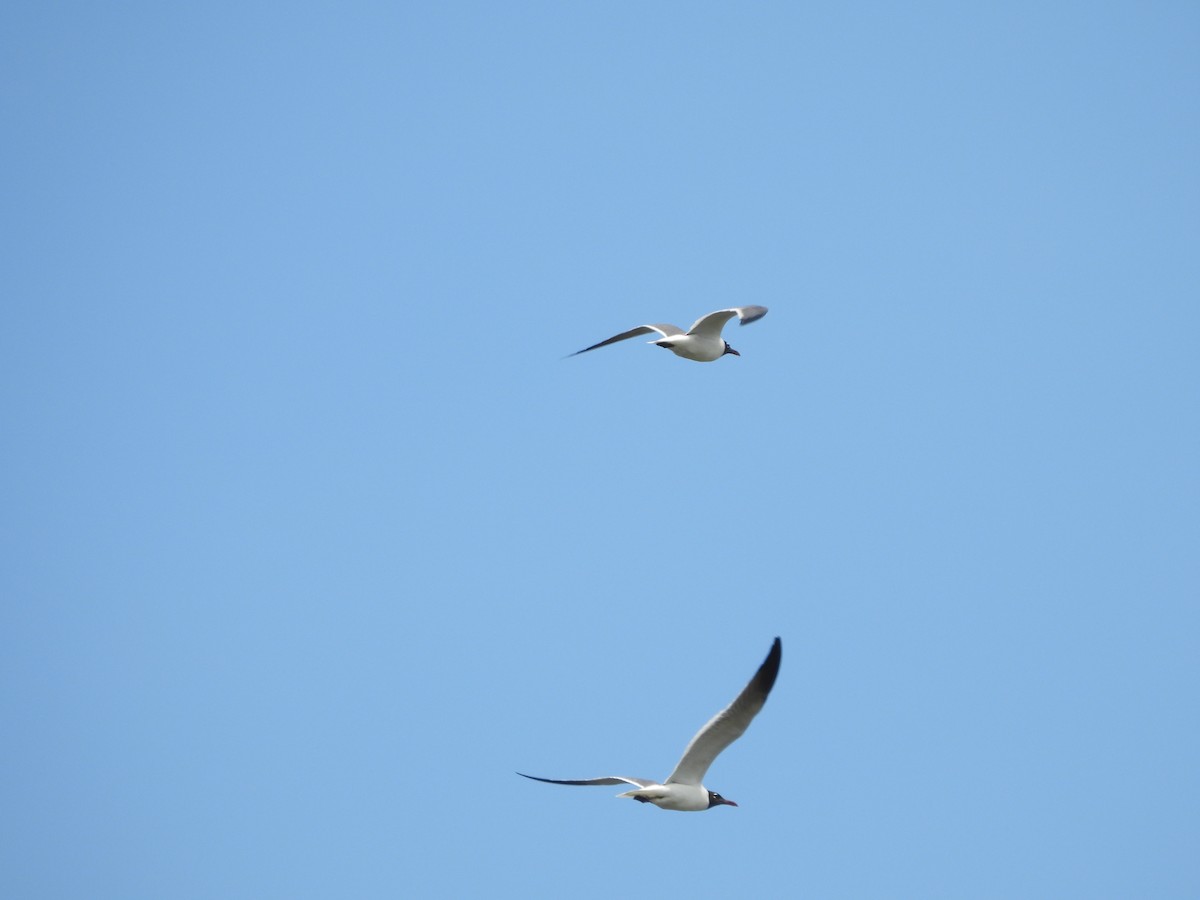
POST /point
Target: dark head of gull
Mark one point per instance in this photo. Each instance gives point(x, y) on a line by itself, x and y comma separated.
point(715, 799)
point(729, 349)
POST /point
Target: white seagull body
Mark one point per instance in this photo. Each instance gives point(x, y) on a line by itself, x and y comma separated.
point(683, 790)
point(702, 342)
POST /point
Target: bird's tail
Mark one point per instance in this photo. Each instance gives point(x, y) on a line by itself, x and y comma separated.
point(643, 795)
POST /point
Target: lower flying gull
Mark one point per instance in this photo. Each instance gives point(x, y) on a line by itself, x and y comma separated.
point(683, 789)
point(702, 342)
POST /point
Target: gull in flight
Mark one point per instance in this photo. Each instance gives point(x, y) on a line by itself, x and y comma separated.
point(683, 789)
point(702, 342)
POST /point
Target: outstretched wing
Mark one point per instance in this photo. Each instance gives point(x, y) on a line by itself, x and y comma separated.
point(663, 330)
point(616, 779)
point(728, 725)
point(710, 326)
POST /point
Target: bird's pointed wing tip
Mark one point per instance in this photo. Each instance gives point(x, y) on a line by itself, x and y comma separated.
point(764, 678)
point(625, 335)
point(607, 780)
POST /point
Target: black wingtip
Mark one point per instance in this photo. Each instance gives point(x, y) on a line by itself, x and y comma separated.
point(769, 670)
point(535, 778)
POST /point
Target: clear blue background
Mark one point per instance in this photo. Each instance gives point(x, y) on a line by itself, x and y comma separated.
point(312, 536)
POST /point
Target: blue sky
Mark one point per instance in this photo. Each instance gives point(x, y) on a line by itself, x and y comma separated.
point(313, 537)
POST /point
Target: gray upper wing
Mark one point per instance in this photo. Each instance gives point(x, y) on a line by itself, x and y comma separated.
point(729, 724)
point(711, 325)
point(664, 330)
point(615, 779)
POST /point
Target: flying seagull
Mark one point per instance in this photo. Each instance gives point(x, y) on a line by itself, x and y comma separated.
point(682, 790)
point(702, 342)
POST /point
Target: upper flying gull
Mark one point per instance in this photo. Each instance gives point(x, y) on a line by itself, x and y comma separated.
point(702, 342)
point(682, 790)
